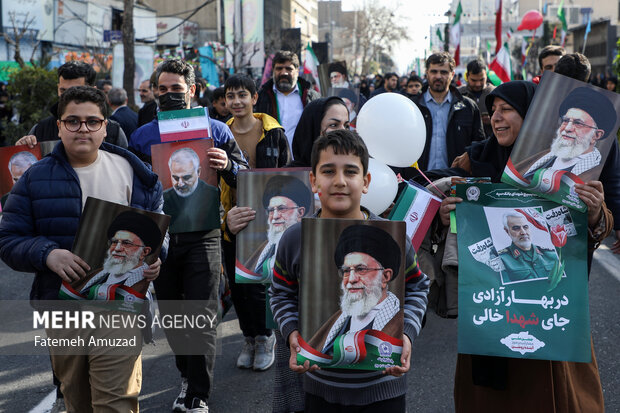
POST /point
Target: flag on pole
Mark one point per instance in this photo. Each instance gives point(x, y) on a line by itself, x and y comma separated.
point(438, 32)
point(588, 30)
point(488, 59)
point(455, 34)
point(562, 17)
point(498, 25)
point(501, 64)
point(311, 65)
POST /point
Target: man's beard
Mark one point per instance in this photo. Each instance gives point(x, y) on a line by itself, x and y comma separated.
point(285, 83)
point(114, 266)
point(564, 149)
point(185, 194)
point(274, 233)
point(360, 304)
point(523, 244)
point(438, 86)
point(343, 84)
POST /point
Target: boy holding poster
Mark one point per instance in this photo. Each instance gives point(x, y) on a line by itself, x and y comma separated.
point(340, 177)
point(264, 145)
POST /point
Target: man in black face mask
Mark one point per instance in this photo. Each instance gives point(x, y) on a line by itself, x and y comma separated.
point(192, 269)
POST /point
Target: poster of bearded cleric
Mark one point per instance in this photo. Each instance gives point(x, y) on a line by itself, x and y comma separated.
point(191, 195)
point(523, 277)
point(14, 161)
point(118, 243)
point(352, 294)
point(281, 198)
point(565, 139)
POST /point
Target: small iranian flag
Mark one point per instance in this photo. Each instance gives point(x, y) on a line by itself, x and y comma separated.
point(179, 125)
point(501, 64)
point(455, 34)
point(311, 65)
point(417, 208)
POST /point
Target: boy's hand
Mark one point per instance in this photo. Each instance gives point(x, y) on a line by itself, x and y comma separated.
point(218, 159)
point(405, 360)
point(67, 265)
point(152, 271)
point(238, 218)
point(29, 140)
point(296, 348)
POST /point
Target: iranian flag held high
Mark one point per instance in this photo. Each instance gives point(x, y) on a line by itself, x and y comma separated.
point(455, 34)
point(501, 64)
point(178, 125)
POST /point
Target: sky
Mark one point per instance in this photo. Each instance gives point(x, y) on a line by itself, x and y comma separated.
point(418, 16)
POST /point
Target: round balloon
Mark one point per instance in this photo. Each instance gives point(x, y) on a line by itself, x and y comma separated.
point(383, 187)
point(531, 20)
point(393, 129)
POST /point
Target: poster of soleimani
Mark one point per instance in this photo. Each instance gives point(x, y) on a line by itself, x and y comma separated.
point(523, 277)
point(118, 243)
point(565, 139)
point(281, 198)
point(14, 161)
point(191, 195)
point(352, 293)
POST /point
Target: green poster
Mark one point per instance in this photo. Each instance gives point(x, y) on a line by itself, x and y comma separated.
point(523, 280)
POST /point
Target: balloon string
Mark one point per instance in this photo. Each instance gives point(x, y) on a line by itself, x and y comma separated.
point(432, 184)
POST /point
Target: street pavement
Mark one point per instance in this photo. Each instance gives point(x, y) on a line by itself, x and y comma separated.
point(26, 383)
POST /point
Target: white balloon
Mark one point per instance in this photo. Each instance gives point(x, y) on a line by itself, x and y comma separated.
point(383, 187)
point(393, 129)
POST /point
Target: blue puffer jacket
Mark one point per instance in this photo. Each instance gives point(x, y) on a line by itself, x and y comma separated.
point(44, 209)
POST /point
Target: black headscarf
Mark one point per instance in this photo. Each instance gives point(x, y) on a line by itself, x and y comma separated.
point(488, 157)
point(309, 128)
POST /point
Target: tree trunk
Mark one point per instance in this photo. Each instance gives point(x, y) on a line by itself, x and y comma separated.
point(128, 51)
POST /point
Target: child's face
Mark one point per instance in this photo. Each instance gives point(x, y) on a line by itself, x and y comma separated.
point(340, 182)
point(240, 102)
point(220, 107)
point(84, 143)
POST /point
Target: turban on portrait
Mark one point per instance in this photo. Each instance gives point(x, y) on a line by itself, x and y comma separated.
point(349, 94)
point(289, 187)
point(337, 67)
point(596, 104)
point(139, 224)
point(372, 241)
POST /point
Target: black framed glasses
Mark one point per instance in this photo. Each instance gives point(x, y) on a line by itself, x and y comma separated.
point(124, 243)
point(360, 270)
point(74, 124)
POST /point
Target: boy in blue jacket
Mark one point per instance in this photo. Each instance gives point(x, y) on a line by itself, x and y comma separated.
point(39, 224)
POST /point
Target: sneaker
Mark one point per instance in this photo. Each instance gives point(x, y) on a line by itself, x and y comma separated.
point(179, 404)
point(264, 355)
point(59, 406)
point(198, 406)
point(246, 357)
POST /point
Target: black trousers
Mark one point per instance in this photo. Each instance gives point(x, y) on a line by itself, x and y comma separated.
point(248, 299)
point(318, 404)
point(192, 271)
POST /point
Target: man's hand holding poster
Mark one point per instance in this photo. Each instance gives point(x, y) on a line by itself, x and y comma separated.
point(523, 289)
point(549, 158)
point(351, 297)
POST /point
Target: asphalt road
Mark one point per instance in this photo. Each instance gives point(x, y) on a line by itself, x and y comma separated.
point(25, 381)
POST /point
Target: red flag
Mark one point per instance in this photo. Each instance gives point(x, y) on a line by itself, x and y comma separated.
point(555, 30)
point(498, 25)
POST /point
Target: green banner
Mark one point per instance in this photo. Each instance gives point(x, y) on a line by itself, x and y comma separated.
point(523, 278)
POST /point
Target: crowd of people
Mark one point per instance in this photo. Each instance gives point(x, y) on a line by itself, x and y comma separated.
point(105, 152)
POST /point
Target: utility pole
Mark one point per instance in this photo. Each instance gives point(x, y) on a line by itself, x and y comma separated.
point(128, 51)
